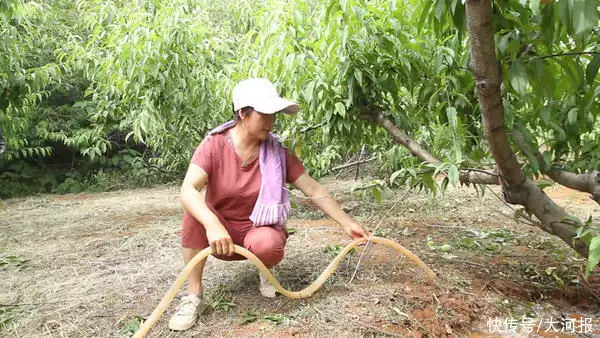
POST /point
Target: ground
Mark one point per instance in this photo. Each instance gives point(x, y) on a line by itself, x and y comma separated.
point(95, 264)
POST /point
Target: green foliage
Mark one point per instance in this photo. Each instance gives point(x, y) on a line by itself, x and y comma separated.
point(334, 250)
point(373, 190)
point(486, 241)
point(125, 169)
point(99, 95)
point(251, 316)
point(586, 231)
point(132, 326)
point(7, 314)
point(276, 319)
point(7, 261)
point(220, 300)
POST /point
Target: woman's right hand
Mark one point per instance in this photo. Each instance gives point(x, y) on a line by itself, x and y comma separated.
point(220, 241)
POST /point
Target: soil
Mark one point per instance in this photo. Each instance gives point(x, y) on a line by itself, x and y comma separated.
point(95, 264)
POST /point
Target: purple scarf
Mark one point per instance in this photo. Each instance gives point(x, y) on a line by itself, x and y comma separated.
point(273, 204)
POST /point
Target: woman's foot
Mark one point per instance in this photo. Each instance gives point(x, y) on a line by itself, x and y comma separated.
point(186, 314)
point(265, 288)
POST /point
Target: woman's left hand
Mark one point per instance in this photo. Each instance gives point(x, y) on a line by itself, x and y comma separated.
point(356, 231)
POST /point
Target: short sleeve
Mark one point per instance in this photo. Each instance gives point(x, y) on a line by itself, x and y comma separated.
point(204, 154)
point(294, 167)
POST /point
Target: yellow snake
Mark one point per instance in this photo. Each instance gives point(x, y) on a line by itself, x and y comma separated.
point(306, 292)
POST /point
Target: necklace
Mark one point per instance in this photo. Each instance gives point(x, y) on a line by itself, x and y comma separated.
point(245, 160)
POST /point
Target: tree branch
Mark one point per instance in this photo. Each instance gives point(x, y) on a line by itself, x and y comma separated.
point(401, 136)
point(588, 182)
point(466, 177)
point(316, 126)
point(564, 54)
point(353, 163)
point(476, 176)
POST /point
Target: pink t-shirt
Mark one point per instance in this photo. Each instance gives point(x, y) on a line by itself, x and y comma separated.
point(232, 189)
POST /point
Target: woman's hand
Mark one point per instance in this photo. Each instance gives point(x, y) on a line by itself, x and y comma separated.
point(356, 231)
point(321, 198)
point(220, 241)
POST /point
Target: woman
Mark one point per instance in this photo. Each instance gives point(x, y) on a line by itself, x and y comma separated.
point(244, 169)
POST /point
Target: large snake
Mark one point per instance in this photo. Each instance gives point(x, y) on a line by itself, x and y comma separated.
point(304, 293)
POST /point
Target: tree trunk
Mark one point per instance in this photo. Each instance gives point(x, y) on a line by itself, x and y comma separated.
point(517, 189)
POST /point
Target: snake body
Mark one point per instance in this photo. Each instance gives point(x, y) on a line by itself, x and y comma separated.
point(304, 293)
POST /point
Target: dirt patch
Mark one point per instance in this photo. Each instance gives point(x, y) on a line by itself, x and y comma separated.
point(93, 264)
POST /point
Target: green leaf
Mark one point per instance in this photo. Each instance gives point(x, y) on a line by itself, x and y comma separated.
point(395, 175)
point(445, 183)
point(376, 193)
point(589, 221)
point(593, 256)
point(518, 78)
point(547, 159)
point(451, 114)
point(440, 6)
point(274, 318)
point(543, 185)
point(572, 116)
point(249, 317)
point(564, 9)
point(592, 69)
point(503, 42)
point(429, 182)
point(535, 6)
point(340, 109)
point(584, 17)
point(453, 175)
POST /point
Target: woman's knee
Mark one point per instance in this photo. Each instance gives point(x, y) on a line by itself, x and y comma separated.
point(267, 244)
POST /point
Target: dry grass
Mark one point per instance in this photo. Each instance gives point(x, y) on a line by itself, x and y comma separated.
point(98, 261)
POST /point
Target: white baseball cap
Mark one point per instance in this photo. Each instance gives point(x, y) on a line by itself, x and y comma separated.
point(260, 94)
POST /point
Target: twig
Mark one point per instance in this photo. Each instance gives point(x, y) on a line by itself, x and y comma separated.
point(309, 128)
point(497, 291)
point(533, 222)
point(446, 226)
point(483, 288)
point(376, 228)
point(308, 197)
point(456, 260)
point(413, 318)
point(501, 200)
point(480, 171)
point(22, 304)
point(325, 318)
point(590, 288)
point(366, 187)
point(373, 158)
point(340, 172)
point(362, 152)
point(374, 328)
point(564, 54)
point(468, 262)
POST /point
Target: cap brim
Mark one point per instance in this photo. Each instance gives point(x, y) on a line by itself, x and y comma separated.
point(277, 104)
